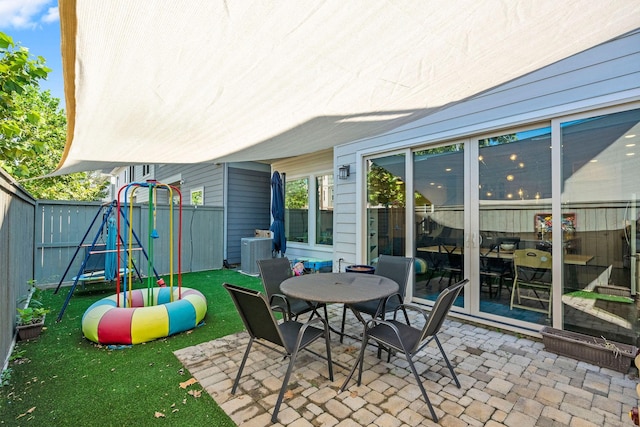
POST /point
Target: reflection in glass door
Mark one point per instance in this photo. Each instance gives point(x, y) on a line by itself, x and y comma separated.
point(386, 207)
point(514, 253)
point(439, 219)
point(600, 225)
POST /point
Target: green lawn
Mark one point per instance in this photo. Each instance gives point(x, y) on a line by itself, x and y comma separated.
point(63, 379)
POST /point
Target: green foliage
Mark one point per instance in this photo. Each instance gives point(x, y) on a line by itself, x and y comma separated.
point(5, 377)
point(385, 189)
point(18, 72)
point(33, 130)
point(297, 194)
point(31, 315)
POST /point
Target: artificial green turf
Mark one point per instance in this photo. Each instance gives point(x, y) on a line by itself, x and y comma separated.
point(71, 381)
point(605, 297)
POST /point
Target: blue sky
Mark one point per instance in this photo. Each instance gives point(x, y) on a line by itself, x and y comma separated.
point(35, 24)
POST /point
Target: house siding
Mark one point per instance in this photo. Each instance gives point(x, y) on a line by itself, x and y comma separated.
point(208, 176)
point(608, 74)
point(248, 205)
point(315, 164)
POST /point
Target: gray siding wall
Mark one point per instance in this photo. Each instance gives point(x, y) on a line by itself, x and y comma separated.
point(206, 175)
point(608, 74)
point(17, 210)
point(248, 207)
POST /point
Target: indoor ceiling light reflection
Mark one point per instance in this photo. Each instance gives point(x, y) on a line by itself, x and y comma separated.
point(448, 170)
point(513, 157)
point(631, 135)
point(509, 177)
point(630, 145)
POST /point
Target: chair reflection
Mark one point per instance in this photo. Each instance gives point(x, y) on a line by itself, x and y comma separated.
point(532, 281)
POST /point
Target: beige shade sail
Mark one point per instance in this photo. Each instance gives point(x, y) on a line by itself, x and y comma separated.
point(187, 81)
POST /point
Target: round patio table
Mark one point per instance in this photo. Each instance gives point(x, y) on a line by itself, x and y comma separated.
point(345, 288)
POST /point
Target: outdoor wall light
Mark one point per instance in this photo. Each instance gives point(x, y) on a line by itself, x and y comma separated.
point(343, 172)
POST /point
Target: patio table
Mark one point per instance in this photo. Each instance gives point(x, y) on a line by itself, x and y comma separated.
point(342, 288)
point(345, 288)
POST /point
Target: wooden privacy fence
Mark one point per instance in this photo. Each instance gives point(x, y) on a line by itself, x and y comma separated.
point(17, 209)
point(60, 227)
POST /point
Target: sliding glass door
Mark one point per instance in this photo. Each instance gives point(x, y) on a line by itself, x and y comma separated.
point(600, 224)
point(513, 201)
point(439, 199)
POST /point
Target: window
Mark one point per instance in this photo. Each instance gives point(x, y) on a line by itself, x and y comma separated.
point(146, 170)
point(309, 210)
point(324, 210)
point(197, 196)
point(296, 202)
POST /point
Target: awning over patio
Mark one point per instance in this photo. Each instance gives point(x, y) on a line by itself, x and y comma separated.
point(188, 81)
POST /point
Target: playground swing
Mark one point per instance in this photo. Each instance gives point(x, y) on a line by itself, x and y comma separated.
point(139, 315)
point(107, 251)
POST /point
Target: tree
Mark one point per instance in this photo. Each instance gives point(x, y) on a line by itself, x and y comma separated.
point(17, 72)
point(33, 130)
point(297, 196)
point(385, 188)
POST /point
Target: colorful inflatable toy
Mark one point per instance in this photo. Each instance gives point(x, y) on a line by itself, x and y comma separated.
point(144, 320)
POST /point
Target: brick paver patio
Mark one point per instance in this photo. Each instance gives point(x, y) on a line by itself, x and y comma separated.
point(506, 381)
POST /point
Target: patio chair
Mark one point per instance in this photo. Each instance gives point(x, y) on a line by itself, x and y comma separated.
point(263, 328)
point(410, 340)
point(532, 281)
point(274, 271)
point(397, 269)
point(453, 248)
point(494, 267)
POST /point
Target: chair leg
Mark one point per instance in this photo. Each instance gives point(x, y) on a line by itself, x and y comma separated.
point(285, 382)
point(359, 362)
point(446, 359)
point(424, 392)
point(344, 315)
point(244, 361)
point(327, 340)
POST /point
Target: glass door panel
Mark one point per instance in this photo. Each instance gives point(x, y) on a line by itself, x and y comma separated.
point(514, 254)
point(599, 228)
point(439, 219)
point(386, 200)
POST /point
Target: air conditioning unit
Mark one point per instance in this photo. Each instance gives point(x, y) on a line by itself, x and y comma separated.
point(252, 250)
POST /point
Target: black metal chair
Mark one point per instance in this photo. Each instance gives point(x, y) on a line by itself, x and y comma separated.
point(454, 264)
point(410, 340)
point(396, 268)
point(495, 269)
point(274, 271)
point(292, 336)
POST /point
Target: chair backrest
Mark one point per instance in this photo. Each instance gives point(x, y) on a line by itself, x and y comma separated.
point(532, 265)
point(532, 258)
point(396, 268)
point(256, 314)
point(274, 271)
point(441, 307)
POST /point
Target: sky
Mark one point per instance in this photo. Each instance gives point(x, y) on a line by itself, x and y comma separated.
point(35, 24)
